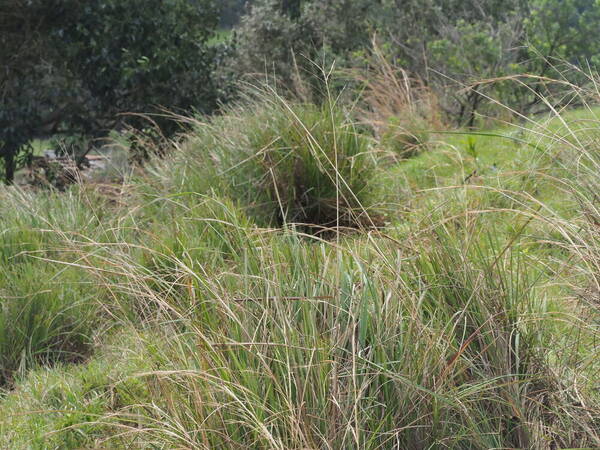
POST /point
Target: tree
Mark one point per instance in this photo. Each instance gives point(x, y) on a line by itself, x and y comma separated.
point(559, 31)
point(446, 43)
point(267, 40)
point(23, 94)
point(86, 62)
point(292, 8)
point(231, 11)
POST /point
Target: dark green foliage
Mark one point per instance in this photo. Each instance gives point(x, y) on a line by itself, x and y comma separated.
point(231, 11)
point(135, 54)
point(74, 66)
point(560, 30)
point(71, 67)
point(268, 39)
point(450, 45)
point(24, 95)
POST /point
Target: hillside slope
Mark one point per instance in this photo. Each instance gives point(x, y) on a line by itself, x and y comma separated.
point(213, 303)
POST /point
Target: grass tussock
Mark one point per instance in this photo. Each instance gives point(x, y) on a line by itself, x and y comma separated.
point(308, 347)
point(286, 162)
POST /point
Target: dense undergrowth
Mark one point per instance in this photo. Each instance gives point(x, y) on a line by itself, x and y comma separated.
point(451, 303)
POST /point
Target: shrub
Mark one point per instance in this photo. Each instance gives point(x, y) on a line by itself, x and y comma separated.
point(85, 64)
point(266, 40)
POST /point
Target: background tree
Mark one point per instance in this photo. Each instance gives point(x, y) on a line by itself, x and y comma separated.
point(27, 103)
point(267, 40)
point(231, 11)
point(558, 34)
point(72, 67)
point(450, 44)
point(84, 63)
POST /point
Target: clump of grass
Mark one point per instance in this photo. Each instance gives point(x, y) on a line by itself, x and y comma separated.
point(199, 229)
point(46, 317)
point(400, 109)
point(59, 407)
point(286, 162)
point(49, 312)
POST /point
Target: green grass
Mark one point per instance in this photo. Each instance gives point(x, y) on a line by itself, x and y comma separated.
point(288, 163)
point(69, 399)
point(50, 313)
point(221, 36)
point(199, 310)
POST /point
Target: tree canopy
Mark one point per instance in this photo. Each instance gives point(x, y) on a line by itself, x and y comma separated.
point(73, 67)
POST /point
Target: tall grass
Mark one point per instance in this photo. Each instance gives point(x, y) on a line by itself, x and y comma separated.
point(400, 109)
point(302, 345)
point(48, 313)
point(286, 162)
point(226, 324)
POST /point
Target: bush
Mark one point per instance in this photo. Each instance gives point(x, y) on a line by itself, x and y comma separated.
point(266, 41)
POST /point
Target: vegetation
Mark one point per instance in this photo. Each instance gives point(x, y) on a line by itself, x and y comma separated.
point(445, 43)
point(81, 70)
point(170, 316)
point(359, 255)
point(73, 69)
point(292, 163)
